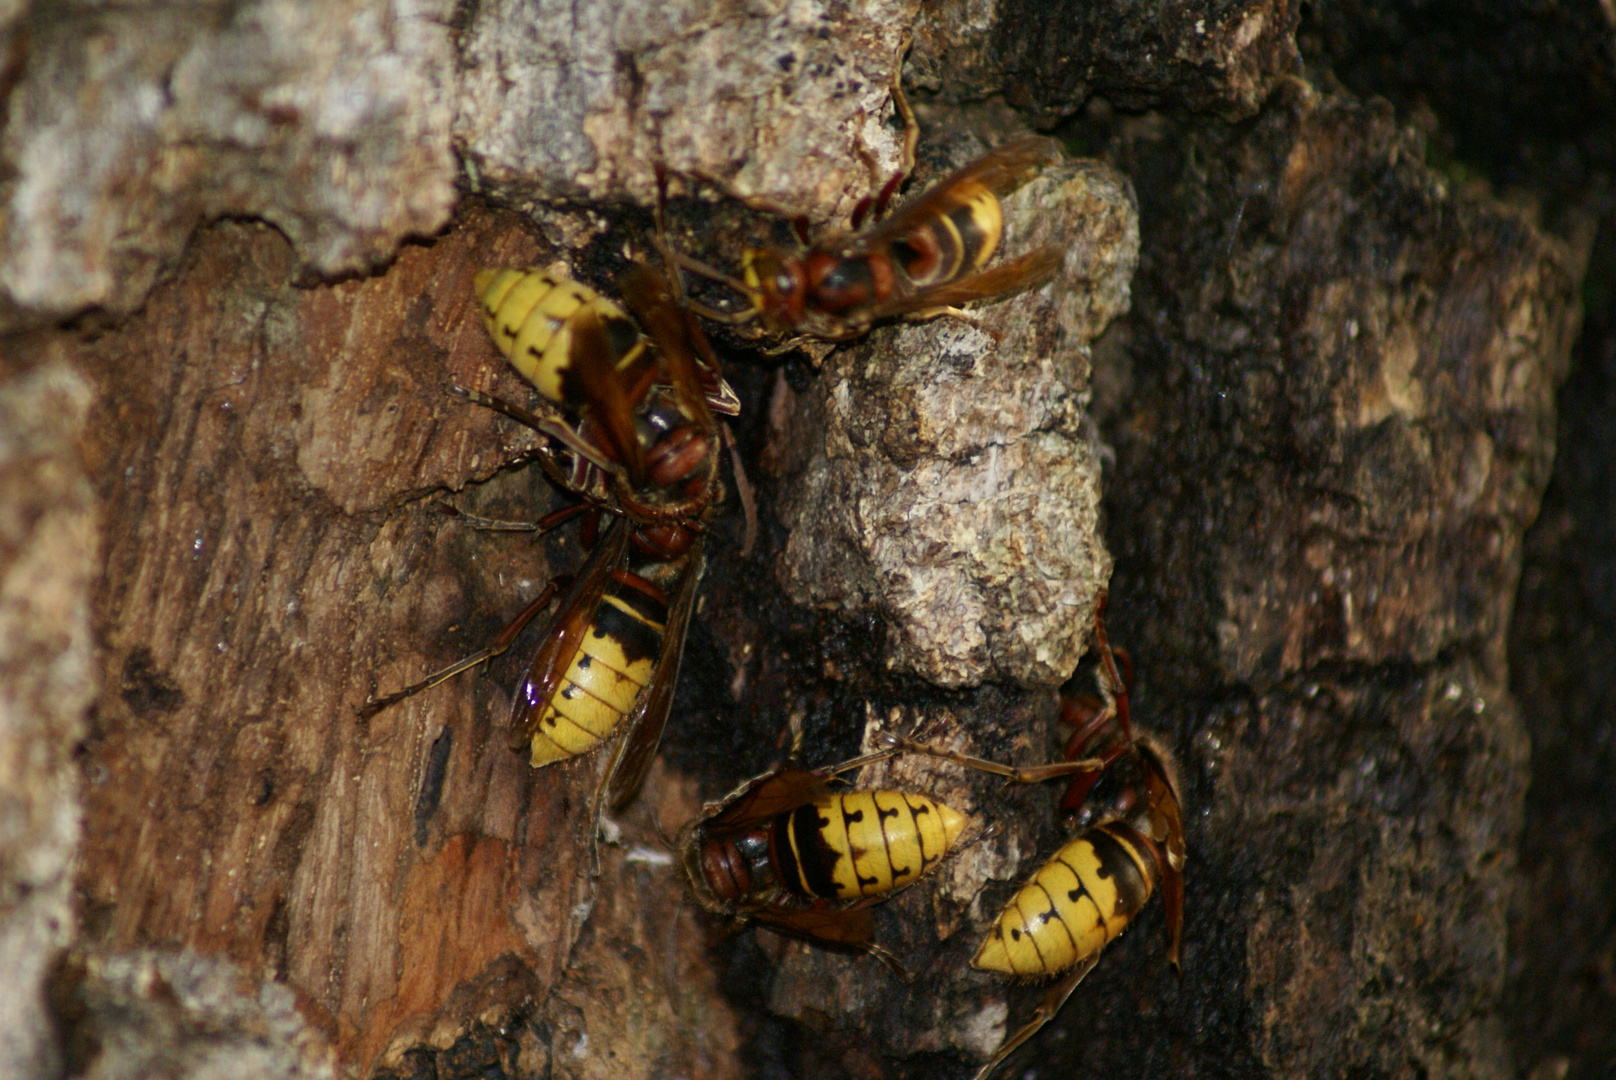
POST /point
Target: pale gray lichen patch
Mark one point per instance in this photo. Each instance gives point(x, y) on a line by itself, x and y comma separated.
point(954, 488)
point(781, 102)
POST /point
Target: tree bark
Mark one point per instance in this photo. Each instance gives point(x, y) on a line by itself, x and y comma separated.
point(1314, 428)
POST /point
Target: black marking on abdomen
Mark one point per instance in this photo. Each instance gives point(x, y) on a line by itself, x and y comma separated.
point(848, 821)
point(1016, 934)
point(816, 859)
point(886, 842)
point(639, 601)
point(920, 835)
point(1117, 864)
point(1052, 915)
point(637, 640)
point(972, 238)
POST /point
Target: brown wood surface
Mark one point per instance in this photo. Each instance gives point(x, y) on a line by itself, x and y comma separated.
point(1363, 231)
point(268, 457)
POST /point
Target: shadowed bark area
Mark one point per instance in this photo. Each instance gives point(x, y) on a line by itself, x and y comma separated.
point(1332, 414)
point(1296, 376)
point(1562, 662)
point(1524, 91)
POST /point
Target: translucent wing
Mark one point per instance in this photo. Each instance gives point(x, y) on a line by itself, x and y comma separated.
point(1047, 1008)
point(1000, 171)
point(1011, 276)
point(632, 757)
point(853, 927)
point(763, 797)
point(564, 636)
point(591, 357)
point(677, 337)
point(1167, 830)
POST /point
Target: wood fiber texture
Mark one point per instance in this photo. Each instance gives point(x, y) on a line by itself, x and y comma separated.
point(1299, 378)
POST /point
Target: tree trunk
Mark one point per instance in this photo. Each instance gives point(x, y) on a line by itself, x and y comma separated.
point(1297, 375)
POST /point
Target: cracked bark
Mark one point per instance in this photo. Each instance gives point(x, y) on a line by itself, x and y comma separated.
point(1324, 407)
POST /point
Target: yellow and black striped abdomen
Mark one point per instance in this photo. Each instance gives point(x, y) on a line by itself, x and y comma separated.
point(1077, 902)
point(862, 843)
point(529, 314)
point(979, 223)
point(614, 663)
point(958, 241)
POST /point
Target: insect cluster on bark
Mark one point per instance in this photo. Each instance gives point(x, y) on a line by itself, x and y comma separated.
point(630, 402)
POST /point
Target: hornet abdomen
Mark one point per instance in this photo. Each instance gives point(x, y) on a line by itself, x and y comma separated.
point(614, 663)
point(957, 241)
point(529, 314)
point(1076, 903)
point(850, 844)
